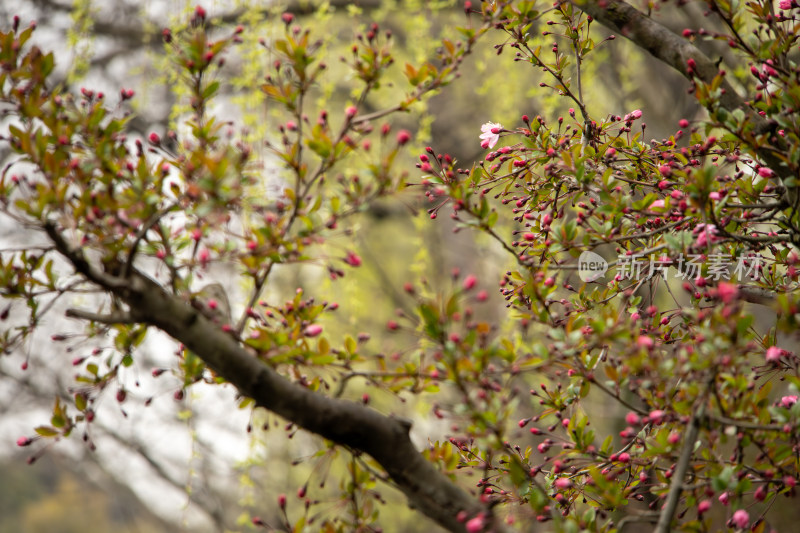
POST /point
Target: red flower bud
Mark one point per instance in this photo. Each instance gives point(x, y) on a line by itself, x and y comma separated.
point(403, 136)
point(353, 259)
point(313, 330)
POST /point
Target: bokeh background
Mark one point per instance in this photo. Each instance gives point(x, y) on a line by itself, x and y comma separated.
point(192, 465)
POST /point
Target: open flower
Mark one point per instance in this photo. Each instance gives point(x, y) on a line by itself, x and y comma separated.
point(491, 134)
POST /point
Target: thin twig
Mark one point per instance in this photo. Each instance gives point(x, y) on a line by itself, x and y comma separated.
point(676, 487)
point(126, 271)
point(744, 424)
point(111, 318)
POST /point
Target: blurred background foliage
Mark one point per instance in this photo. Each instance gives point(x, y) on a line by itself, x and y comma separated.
point(55, 498)
point(109, 45)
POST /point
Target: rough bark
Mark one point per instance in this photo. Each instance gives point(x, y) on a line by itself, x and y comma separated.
point(675, 51)
point(348, 423)
point(660, 42)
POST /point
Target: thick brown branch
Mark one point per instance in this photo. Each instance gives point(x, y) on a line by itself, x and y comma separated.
point(347, 423)
point(660, 42)
point(757, 295)
point(676, 51)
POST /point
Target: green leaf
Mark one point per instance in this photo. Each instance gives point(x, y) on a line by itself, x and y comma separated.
point(350, 345)
point(211, 90)
point(80, 402)
point(46, 431)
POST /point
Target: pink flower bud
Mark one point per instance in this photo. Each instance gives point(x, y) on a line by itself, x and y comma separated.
point(542, 447)
point(765, 172)
point(741, 519)
point(353, 259)
point(645, 342)
point(474, 525)
point(403, 136)
point(773, 354)
point(657, 416)
point(563, 483)
point(204, 256)
point(313, 330)
point(632, 419)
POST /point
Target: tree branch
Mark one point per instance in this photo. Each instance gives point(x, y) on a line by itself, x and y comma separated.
point(112, 318)
point(661, 43)
point(757, 295)
point(676, 487)
point(676, 51)
point(346, 423)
